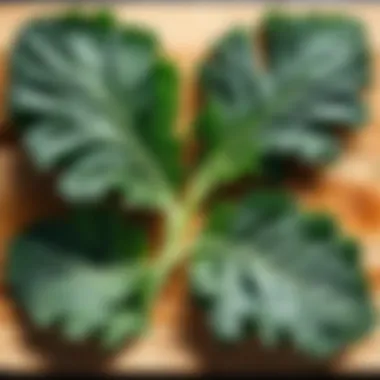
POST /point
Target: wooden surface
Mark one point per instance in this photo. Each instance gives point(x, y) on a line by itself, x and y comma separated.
point(179, 342)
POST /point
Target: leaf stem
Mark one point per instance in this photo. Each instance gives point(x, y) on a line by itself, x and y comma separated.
point(177, 218)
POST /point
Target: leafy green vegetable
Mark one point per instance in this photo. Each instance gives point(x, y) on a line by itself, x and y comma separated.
point(84, 272)
point(267, 266)
point(96, 101)
point(289, 100)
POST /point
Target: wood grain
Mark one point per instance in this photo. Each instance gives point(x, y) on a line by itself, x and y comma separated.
point(179, 342)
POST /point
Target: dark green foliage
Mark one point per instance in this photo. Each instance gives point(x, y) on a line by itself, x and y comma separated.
point(83, 272)
point(96, 102)
point(293, 95)
point(288, 275)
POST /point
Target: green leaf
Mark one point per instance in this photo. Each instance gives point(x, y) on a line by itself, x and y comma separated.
point(287, 100)
point(264, 265)
point(84, 273)
point(96, 102)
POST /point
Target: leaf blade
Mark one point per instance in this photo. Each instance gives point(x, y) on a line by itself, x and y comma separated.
point(291, 98)
point(69, 272)
point(88, 98)
point(292, 278)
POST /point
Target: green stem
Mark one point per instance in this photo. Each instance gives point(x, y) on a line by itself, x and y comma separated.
point(177, 219)
point(171, 253)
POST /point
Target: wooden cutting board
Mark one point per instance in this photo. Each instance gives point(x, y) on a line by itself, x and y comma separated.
point(179, 342)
